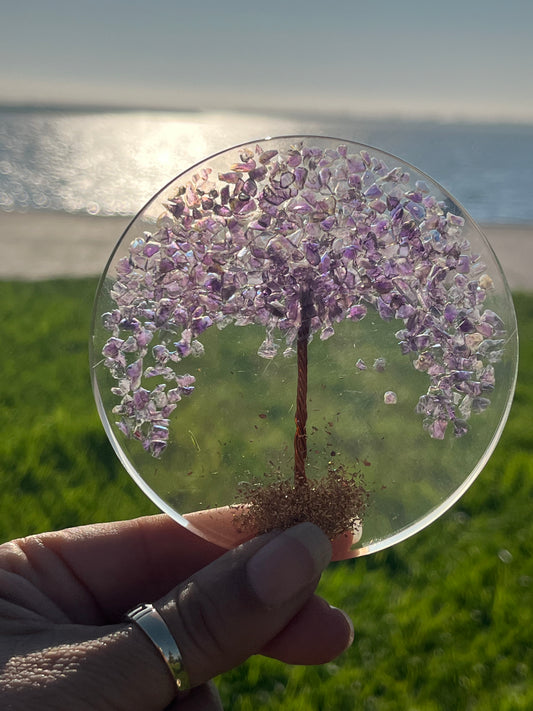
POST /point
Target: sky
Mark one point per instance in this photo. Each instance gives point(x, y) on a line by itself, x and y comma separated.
point(460, 59)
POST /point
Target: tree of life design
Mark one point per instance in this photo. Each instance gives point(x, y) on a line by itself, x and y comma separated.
point(297, 239)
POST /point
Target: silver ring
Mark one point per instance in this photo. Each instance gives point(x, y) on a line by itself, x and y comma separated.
point(155, 628)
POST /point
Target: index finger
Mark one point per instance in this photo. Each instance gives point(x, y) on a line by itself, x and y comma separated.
point(118, 564)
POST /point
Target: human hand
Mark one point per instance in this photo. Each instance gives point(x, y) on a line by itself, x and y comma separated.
point(64, 644)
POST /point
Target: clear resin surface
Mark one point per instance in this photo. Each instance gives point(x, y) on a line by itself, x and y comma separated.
point(304, 328)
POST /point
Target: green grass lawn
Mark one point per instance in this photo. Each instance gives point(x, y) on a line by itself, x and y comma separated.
point(443, 620)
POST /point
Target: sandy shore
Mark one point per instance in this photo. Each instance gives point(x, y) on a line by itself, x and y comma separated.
point(43, 245)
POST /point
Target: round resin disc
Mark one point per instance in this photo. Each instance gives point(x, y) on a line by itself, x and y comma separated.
point(304, 328)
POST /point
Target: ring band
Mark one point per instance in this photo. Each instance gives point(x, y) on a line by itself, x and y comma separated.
point(155, 628)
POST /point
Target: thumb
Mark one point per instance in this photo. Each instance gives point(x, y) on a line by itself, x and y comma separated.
point(236, 605)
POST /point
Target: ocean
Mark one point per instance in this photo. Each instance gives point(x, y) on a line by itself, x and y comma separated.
point(104, 162)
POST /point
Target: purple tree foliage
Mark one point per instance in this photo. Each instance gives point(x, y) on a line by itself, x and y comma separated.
point(299, 240)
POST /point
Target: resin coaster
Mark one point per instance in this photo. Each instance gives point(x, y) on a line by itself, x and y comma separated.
point(304, 328)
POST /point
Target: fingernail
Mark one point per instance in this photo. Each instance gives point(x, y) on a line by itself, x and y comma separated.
point(349, 624)
point(289, 563)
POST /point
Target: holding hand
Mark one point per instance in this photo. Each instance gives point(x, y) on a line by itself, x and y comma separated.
point(65, 642)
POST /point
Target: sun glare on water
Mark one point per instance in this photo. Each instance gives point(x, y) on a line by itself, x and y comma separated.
point(112, 163)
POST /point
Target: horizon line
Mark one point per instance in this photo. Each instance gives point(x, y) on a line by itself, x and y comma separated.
point(400, 116)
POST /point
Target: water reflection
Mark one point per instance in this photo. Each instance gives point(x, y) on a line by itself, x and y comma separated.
point(111, 163)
